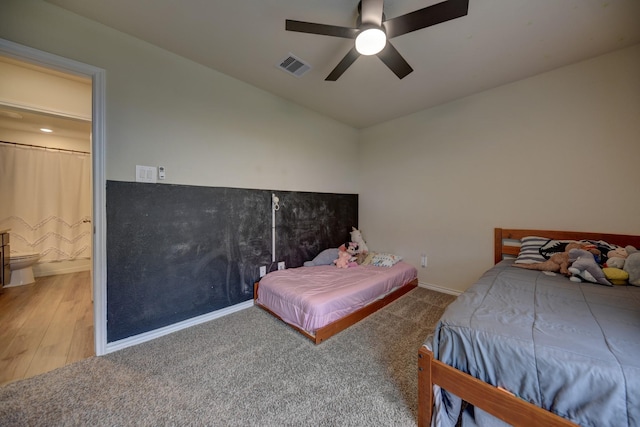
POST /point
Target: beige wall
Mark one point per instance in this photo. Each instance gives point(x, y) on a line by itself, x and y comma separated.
point(33, 88)
point(206, 128)
point(57, 99)
point(556, 151)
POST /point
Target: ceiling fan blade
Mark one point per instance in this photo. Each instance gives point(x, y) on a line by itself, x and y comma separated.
point(322, 29)
point(342, 66)
point(371, 12)
point(426, 17)
point(396, 63)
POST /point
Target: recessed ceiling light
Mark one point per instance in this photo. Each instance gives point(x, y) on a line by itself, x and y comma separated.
point(45, 130)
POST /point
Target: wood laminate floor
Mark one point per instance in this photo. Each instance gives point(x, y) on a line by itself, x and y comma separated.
point(45, 325)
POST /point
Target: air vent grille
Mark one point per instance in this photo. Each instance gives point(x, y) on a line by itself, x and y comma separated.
point(294, 65)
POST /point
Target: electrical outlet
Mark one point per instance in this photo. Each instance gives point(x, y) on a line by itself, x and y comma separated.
point(423, 260)
point(263, 270)
point(281, 265)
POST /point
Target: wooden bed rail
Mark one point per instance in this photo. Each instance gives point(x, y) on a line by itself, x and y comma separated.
point(340, 325)
point(501, 404)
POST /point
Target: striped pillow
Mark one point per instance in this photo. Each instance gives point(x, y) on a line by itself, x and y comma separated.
point(530, 250)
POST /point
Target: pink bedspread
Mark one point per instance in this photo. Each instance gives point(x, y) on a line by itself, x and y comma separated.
point(313, 297)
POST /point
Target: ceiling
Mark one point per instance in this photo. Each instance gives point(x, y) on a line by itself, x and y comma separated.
point(498, 42)
point(23, 120)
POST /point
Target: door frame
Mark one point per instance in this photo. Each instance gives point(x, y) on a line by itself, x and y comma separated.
point(98, 149)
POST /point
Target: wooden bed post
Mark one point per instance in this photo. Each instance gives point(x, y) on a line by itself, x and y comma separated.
point(425, 387)
point(497, 245)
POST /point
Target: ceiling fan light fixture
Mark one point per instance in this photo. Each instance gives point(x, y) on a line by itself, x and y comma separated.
point(371, 41)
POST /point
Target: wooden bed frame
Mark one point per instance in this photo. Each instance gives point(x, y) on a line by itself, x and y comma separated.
point(493, 400)
point(341, 324)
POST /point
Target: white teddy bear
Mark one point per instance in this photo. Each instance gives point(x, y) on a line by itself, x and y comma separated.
point(356, 237)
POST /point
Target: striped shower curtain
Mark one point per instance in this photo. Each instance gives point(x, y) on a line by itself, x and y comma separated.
point(45, 199)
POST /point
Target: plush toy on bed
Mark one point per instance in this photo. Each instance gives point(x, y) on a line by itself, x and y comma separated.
point(615, 262)
point(344, 260)
point(326, 257)
point(558, 262)
point(356, 237)
point(616, 276)
point(347, 255)
point(584, 268)
point(618, 252)
point(353, 248)
point(632, 265)
point(616, 258)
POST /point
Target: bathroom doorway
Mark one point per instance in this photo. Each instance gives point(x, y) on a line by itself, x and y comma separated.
point(62, 296)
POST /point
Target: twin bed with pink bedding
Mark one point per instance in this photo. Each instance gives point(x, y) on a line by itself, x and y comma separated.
point(321, 301)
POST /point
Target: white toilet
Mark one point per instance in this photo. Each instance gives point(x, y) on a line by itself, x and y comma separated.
point(21, 266)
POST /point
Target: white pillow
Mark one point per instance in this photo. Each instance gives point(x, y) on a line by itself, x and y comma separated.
point(385, 260)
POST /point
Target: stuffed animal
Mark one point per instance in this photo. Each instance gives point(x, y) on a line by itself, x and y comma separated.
point(325, 257)
point(632, 265)
point(353, 248)
point(344, 260)
point(615, 262)
point(357, 255)
point(356, 237)
point(617, 253)
point(616, 276)
point(558, 262)
point(585, 268)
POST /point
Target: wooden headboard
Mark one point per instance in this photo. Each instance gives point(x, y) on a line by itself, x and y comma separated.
point(502, 234)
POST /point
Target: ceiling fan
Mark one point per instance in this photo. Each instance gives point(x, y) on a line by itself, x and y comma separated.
point(373, 31)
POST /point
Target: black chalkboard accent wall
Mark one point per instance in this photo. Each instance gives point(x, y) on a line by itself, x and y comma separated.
point(307, 223)
point(175, 251)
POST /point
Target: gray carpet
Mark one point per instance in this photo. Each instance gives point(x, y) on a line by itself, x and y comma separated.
point(245, 369)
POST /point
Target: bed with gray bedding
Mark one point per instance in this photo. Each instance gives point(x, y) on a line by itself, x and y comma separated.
point(570, 349)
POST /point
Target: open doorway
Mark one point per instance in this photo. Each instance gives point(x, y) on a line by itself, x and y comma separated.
point(46, 304)
point(96, 76)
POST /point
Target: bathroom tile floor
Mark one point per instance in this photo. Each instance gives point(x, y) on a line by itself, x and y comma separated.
point(45, 325)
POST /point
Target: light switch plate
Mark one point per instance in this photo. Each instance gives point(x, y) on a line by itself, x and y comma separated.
point(146, 174)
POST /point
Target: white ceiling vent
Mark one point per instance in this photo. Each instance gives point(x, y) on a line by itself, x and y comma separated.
point(294, 65)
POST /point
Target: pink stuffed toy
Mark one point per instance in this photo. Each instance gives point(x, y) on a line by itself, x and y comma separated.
point(343, 260)
point(347, 255)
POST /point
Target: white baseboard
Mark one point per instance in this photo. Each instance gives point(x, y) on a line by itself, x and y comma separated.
point(157, 333)
point(439, 289)
point(61, 267)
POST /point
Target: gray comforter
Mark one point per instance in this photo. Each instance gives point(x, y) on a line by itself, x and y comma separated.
point(571, 348)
